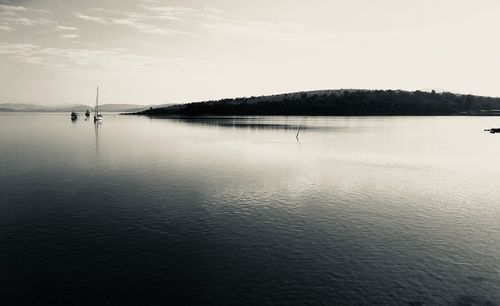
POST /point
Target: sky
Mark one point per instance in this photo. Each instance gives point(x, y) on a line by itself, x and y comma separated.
point(158, 51)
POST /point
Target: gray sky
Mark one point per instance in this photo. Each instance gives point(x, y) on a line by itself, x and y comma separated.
point(155, 51)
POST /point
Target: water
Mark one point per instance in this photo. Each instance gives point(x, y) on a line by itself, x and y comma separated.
point(381, 210)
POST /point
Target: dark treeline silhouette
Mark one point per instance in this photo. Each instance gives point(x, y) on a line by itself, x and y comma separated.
point(340, 103)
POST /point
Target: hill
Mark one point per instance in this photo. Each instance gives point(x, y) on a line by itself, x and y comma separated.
point(15, 107)
point(344, 102)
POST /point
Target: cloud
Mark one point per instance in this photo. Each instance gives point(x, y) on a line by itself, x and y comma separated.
point(73, 59)
point(11, 8)
point(144, 22)
point(6, 28)
point(42, 11)
point(169, 20)
point(65, 28)
point(228, 26)
point(15, 49)
point(25, 21)
point(170, 10)
point(214, 10)
point(94, 19)
point(11, 15)
point(69, 36)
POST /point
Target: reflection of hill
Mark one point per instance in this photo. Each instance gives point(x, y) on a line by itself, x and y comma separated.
point(338, 103)
point(253, 123)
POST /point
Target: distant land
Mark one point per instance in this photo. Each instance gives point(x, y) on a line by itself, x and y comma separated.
point(341, 102)
point(19, 107)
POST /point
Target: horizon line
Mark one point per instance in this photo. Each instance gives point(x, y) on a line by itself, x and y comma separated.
point(440, 91)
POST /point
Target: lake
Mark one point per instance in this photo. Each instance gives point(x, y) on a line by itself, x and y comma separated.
point(237, 211)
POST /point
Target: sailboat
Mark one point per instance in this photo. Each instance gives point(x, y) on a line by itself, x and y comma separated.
point(97, 115)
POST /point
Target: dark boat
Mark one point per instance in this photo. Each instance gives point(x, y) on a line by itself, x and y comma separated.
point(87, 113)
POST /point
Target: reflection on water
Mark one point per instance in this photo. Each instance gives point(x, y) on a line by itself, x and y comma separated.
point(97, 125)
point(269, 123)
point(230, 211)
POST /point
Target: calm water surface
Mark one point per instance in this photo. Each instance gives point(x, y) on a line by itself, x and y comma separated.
point(236, 211)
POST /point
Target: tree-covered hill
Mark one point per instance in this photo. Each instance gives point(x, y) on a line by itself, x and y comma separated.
point(340, 103)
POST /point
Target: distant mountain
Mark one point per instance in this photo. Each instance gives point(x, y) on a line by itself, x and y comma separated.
point(18, 107)
point(343, 102)
point(66, 108)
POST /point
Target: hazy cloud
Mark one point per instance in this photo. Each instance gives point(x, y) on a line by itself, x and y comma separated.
point(227, 26)
point(168, 20)
point(69, 36)
point(173, 11)
point(25, 21)
point(65, 28)
point(94, 19)
point(214, 10)
point(68, 59)
point(11, 8)
point(5, 28)
point(133, 20)
point(42, 11)
point(16, 49)
point(11, 15)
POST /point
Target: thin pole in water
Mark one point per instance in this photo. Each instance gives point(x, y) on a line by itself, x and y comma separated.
point(298, 131)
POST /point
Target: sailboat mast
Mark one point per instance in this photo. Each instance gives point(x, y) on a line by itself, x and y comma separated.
point(97, 102)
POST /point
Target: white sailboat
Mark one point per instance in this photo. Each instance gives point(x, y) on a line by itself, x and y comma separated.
point(97, 114)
